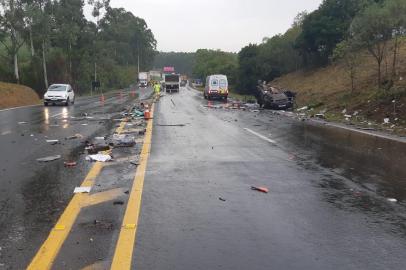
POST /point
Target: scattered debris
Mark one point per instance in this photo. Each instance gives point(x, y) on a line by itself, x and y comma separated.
point(118, 202)
point(123, 140)
point(99, 157)
point(94, 149)
point(136, 163)
point(303, 109)
point(48, 159)
point(222, 199)
point(392, 200)
point(82, 189)
point(52, 142)
point(260, 189)
point(344, 111)
point(127, 192)
point(173, 103)
point(76, 136)
point(22, 123)
point(386, 121)
point(320, 115)
point(69, 163)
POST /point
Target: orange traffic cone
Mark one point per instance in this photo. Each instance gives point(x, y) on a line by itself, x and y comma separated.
point(147, 114)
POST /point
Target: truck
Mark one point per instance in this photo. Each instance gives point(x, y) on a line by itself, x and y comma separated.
point(143, 79)
point(172, 83)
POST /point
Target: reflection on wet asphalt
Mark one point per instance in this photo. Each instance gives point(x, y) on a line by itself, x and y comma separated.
point(327, 206)
point(33, 194)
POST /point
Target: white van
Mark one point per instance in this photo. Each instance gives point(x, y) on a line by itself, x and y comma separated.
point(216, 87)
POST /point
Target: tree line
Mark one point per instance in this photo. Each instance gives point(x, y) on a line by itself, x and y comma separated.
point(51, 41)
point(337, 31)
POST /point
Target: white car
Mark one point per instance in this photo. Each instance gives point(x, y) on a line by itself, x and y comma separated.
point(59, 93)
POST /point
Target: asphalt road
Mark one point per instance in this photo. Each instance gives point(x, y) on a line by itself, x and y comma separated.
point(33, 195)
point(327, 206)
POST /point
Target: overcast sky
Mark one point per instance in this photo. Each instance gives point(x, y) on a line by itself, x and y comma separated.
point(188, 25)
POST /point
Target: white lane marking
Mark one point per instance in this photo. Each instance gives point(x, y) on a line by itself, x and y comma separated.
point(260, 136)
point(21, 107)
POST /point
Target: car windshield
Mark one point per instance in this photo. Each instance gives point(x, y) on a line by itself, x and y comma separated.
point(57, 88)
point(214, 82)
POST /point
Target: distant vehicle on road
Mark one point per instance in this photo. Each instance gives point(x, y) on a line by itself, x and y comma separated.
point(172, 82)
point(197, 83)
point(143, 79)
point(59, 93)
point(183, 83)
point(216, 87)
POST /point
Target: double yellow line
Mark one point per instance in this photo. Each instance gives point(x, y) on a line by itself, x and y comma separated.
point(47, 253)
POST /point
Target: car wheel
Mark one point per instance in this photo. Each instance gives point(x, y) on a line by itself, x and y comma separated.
point(67, 102)
point(73, 101)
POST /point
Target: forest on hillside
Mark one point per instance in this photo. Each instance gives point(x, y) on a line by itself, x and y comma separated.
point(51, 41)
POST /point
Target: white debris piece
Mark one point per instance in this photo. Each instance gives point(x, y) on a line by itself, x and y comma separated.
point(392, 200)
point(344, 111)
point(303, 108)
point(48, 159)
point(99, 157)
point(386, 121)
point(82, 189)
point(52, 141)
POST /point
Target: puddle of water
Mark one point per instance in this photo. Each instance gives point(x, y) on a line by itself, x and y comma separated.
point(378, 164)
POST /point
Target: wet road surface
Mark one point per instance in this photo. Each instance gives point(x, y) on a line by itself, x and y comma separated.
point(33, 195)
point(327, 206)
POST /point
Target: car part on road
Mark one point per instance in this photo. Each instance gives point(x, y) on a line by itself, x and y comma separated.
point(49, 158)
point(222, 199)
point(260, 189)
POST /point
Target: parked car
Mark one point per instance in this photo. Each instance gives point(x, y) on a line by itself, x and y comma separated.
point(216, 87)
point(59, 93)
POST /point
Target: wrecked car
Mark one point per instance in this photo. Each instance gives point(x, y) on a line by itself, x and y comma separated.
point(269, 97)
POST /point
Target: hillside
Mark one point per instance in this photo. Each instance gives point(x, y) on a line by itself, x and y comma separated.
point(329, 91)
point(14, 95)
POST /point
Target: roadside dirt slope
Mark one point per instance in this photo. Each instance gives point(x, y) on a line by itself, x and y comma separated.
point(14, 95)
point(329, 89)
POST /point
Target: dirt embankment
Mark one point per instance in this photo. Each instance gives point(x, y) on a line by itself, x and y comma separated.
point(14, 95)
point(328, 90)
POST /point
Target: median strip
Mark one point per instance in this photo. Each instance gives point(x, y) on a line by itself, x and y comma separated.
point(125, 245)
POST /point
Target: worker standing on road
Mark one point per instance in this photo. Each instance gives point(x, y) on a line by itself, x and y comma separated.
point(157, 88)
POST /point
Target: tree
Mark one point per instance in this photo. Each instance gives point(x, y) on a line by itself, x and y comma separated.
point(248, 69)
point(324, 28)
point(208, 62)
point(348, 52)
point(397, 16)
point(372, 30)
point(12, 27)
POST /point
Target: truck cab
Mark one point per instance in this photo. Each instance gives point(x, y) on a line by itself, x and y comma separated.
point(172, 83)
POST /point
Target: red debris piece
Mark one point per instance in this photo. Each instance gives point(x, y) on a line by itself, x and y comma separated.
point(70, 164)
point(260, 189)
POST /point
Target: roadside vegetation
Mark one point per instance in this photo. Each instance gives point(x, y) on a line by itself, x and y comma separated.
point(44, 42)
